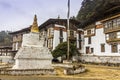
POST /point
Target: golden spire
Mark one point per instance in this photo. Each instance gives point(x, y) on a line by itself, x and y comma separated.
point(34, 27)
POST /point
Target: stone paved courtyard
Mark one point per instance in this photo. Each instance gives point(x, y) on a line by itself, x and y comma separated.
point(94, 72)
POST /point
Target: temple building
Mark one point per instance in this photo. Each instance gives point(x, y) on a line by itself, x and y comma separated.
point(6, 54)
point(55, 31)
point(97, 42)
point(102, 39)
point(17, 38)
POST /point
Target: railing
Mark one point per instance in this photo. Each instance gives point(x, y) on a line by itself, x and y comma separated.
point(112, 29)
point(113, 40)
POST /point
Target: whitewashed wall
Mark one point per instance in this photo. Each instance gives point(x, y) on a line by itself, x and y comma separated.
point(96, 42)
point(56, 40)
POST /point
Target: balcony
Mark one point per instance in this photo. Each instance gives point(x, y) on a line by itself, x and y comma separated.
point(112, 29)
point(113, 40)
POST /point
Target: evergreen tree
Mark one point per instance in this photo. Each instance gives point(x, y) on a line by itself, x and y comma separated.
point(92, 10)
point(5, 38)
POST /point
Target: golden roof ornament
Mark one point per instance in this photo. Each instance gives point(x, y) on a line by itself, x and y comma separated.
point(34, 27)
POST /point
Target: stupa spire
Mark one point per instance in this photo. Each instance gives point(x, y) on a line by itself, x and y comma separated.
point(34, 27)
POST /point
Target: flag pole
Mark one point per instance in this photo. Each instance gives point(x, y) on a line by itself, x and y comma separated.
point(68, 31)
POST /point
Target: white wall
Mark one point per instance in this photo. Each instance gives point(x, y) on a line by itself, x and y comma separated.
point(96, 42)
point(56, 40)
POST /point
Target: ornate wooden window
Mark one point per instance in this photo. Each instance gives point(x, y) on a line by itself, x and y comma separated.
point(115, 23)
point(88, 32)
point(102, 47)
point(112, 25)
point(89, 40)
point(112, 35)
point(114, 48)
point(118, 22)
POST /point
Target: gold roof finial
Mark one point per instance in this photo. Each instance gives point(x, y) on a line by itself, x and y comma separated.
point(34, 27)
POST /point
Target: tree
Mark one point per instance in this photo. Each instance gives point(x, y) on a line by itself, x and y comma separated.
point(5, 38)
point(93, 10)
point(61, 50)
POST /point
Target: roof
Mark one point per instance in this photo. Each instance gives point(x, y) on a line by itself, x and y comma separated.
point(22, 30)
point(49, 21)
point(55, 21)
point(5, 47)
point(112, 13)
point(116, 16)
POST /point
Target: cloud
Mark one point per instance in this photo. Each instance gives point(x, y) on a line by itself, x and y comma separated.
point(5, 4)
point(18, 14)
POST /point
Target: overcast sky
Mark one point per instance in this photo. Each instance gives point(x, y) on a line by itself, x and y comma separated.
point(18, 14)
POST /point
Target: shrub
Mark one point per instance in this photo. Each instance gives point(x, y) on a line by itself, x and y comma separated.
point(61, 50)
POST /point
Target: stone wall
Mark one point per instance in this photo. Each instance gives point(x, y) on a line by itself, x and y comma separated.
point(100, 59)
point(27, 72)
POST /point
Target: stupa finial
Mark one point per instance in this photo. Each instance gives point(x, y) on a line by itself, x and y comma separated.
point(34, 27)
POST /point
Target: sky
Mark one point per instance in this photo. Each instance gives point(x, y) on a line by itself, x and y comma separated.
point(19, 14)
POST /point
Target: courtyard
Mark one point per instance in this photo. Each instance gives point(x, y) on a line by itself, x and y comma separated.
point(94, 72)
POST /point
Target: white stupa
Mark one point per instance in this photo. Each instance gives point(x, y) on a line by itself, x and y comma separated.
point(32, 54)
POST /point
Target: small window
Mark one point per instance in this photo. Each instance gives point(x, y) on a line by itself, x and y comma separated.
point(114, 48)
point(87, 50)
point(92, 50)
point(118, 22)
point(89, 40)
point(102, 47)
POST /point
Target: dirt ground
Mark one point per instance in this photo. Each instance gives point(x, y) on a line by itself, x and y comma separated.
point(94, 72)
point(101, 72)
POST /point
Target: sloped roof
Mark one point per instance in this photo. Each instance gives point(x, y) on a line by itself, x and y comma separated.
point(22, 30)
point(56, 21)
point(49, 21)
